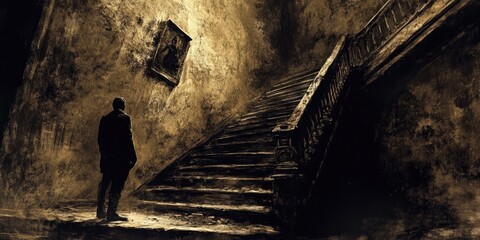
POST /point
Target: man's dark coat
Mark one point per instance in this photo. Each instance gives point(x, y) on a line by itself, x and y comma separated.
point(115, 142)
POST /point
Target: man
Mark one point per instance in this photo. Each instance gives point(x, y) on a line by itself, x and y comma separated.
point(117, 158)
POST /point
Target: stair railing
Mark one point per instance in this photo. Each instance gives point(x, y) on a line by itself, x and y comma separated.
point(309, 126)
point(302, 141)
point(389, 20)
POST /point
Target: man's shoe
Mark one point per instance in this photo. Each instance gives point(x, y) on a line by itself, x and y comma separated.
point(101, 213)
point(115, 217)
point(112, 214)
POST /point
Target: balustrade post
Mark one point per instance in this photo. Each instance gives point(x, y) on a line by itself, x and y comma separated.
point(287, 177)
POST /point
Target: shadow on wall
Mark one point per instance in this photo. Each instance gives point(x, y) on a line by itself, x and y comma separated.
point(18, 21)
point(428, 139)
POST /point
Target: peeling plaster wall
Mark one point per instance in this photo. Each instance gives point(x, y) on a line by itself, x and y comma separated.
point(430, 138)
point(96, 50)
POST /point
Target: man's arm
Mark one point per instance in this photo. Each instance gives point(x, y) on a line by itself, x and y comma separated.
point(102, 143)
point(131, 146)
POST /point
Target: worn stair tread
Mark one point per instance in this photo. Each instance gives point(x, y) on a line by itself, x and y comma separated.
point(292, 97)
point(228, 147)
point(260, 130)
point(224, 177)
point(258, 138)
point(296, 78)
point(252, 127)
point(243, 153)
point(267, 114)
point(199, 161)
point(248, 131)
point(294, 87)
point(218, 207)
point(262, 117)
point(220, 180)
point(242, 136)
point(229, 166)
point(268, 111)
point(273, 106)
point(244, 190)
point(218, 152)
point(234, 153)
point(246, 142)
point(271, 101)
point(262, 122)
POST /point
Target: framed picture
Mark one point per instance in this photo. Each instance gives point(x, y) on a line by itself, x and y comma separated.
point(171, 52)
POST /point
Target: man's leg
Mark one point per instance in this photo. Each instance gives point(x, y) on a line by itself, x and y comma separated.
point(102, 191)
point(118, 182)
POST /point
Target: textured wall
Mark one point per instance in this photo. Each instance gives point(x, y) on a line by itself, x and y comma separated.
point(93, 51)
point(430, 137)
point(96, 50)
point(317, 25)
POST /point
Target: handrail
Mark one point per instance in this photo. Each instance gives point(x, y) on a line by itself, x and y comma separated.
point(389, 20)
point(306, 99)
point(298, 138)
point(314, 109)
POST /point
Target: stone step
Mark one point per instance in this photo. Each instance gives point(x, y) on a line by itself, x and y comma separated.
point(268, 111)
point(242, 137)
point(239, 147)
point(242, 128)
point(207, 195)
point(290, 97)
point(237, 170)
point(236, 153)
point(242, 154)
point(295, 78)
point(254, 133)
point(293, 91)
point(265, 138)
point(281, 103)
point(267, 142)
point(202, 161)
point(260, 122)
point(264, 115)
point(297, 86)
point(218, 181)
point(239, 212)
point(231, 157)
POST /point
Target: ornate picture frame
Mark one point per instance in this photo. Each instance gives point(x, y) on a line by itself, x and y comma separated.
point(171, 52)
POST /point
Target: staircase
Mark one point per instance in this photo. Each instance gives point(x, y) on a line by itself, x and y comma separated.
point(260, 169)
point(229, 178)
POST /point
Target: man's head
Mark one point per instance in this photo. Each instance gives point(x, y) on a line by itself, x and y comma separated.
point(119, 103)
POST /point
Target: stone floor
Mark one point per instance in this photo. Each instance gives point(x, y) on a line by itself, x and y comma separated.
point(76, 220)
point(456, 215)
point(354, 213)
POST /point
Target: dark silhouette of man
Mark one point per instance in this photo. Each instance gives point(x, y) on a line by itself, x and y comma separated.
point(117, 158)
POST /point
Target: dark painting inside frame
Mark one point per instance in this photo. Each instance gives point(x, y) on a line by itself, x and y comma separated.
point(171, 52)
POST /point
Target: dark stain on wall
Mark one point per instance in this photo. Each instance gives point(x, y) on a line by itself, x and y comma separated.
point(18, 23)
